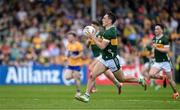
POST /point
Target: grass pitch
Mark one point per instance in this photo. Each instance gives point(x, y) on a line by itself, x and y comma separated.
point(48, 97)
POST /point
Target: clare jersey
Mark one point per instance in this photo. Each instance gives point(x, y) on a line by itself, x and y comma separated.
point(74, 49)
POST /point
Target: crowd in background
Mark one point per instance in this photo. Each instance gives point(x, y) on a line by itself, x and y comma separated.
point(34, 31)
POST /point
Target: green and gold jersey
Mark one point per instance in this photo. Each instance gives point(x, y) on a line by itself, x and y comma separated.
point(95, 49)
point(110, 51)
point(161, 42)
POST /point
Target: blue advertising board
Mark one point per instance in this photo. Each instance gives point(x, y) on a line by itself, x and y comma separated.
point(27, 75)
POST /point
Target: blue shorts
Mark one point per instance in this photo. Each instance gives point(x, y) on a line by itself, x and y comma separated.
point(74, 68)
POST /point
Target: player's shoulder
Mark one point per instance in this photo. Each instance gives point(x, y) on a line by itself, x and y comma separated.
point(112, 28)
point(165, 37)
point(111, 32)
point(149, 47)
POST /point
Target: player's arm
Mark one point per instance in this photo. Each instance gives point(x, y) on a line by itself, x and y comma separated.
point(88, 43)
point(79, 55)
point(101, 43)
point(151, 53)
point(164, 49)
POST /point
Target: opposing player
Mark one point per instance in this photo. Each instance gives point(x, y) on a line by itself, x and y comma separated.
point(96, 53)
point(74, 61)
point(162, 61)
point(109, 58)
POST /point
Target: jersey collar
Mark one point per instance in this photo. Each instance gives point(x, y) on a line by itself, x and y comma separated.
point(158, 37)
point(110, 27)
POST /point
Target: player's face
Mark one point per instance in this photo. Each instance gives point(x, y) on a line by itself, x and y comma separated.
point(158, 30)
point(70, 37)
point(106, 21)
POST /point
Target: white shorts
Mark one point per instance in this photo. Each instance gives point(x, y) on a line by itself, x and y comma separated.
point(112, 64)
point(166, 66)
point(100, 56)
point(147, 65)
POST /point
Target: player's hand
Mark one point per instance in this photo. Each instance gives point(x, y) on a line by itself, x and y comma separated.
point(90, 35)
point(154, 45)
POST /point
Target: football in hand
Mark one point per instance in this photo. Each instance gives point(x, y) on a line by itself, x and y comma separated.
point(89, 30)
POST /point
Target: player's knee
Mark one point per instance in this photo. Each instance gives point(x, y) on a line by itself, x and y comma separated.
point(68, 77)
point(92, 77)
point(150, 76)
point(76, 75)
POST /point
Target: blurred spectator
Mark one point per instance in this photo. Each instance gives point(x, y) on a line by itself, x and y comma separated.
point(33, 31)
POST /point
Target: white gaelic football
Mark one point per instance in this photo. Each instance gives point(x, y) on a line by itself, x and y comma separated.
point(89, 29)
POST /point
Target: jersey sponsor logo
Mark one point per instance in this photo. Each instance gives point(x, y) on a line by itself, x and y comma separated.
point(160, 41)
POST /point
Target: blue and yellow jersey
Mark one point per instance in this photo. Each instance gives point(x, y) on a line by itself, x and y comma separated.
point(74, 49)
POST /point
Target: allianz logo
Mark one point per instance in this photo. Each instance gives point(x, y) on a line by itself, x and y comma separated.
point(26, 75)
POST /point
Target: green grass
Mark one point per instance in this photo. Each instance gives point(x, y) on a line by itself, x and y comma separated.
point(62, 97)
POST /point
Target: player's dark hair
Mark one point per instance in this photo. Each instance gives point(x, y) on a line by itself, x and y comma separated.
point(111, 16)
point(95, 23)
point(160, 25)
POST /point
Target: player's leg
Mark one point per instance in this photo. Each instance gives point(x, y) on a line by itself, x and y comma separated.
point(98, 69)
point(77, 78)
point(154, 73)
point(110, 76)
point(166, 66)
point(91, 66)
point(68, 74)
point(154, 70)
point(121, 77)
point(173, 85)
point(144, 71)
